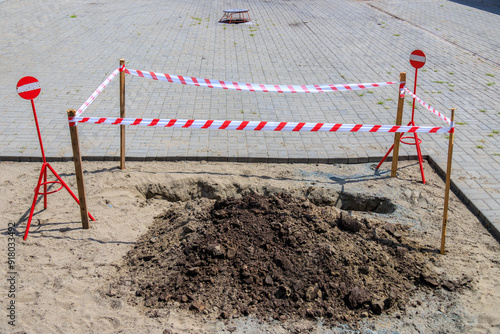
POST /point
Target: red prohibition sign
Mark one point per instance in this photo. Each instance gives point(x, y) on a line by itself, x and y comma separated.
point(28, 88)
point(417, 59)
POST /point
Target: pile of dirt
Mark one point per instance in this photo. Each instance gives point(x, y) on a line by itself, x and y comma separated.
point(275, 256)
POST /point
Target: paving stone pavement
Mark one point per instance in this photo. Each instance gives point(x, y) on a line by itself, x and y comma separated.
point(72, 46)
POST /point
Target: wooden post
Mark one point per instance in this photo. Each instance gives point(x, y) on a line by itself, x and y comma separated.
point(122, 115)
point(397, 136)
point(77, 158)
point(448, 182)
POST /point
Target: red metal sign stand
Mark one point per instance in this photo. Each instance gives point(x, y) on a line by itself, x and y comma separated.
point(417, 60)
point(29, 88)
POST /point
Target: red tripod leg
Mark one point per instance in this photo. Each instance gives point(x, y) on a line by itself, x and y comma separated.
point(388, 152)
point(67, 188)
point(385, 157)
point(42, 172)
point(420, 160)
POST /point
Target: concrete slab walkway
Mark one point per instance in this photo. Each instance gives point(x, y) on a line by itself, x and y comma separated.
point(71, 47)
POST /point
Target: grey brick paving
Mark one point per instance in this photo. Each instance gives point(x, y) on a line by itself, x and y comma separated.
point(72, 46)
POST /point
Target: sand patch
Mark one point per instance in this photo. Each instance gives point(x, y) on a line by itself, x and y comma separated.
point(66, 274)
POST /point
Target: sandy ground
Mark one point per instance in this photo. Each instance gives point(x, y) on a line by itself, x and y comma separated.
point(61, 270)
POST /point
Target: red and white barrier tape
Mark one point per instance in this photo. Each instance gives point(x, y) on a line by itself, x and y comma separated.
point(428, 107)
point(256, 125)
point(255, 87)
point(97, 92)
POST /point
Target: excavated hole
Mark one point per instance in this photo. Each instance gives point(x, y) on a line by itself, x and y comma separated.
point(192, 189)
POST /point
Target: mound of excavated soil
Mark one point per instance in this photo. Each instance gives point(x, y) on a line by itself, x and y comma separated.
point(275, 256)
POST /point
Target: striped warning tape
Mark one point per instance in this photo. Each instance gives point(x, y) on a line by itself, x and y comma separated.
point(257, 125)
point(97, 92)
point(428, 107)
point(255, 87)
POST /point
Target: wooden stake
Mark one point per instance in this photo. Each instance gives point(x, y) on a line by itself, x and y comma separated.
point(397, 136)
point(77, 158)
point(122, 115)
point(448, 182)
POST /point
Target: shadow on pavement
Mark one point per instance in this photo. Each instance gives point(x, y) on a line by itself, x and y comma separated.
point(492, 6)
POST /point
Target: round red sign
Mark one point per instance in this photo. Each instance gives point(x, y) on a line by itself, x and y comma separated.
point(28, 88)
point(417, 59)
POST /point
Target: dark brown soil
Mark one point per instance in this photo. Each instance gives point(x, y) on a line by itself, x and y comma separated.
point(275, 256)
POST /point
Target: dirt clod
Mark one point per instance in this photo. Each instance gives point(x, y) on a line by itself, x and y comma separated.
point(197, 305)
point(276, 256)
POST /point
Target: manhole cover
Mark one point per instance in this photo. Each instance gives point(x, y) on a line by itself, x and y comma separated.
point(235, 16)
